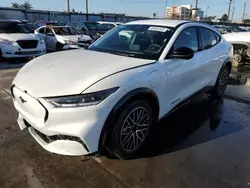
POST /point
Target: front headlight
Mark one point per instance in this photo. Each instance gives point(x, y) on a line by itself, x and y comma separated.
point(81, 100)
point(41, 41)
point(5, 41)
point(69, 42)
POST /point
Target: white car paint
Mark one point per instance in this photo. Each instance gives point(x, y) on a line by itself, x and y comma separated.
point(52, 40)
point(12, 49)
point(84, 72)
point(236, 37)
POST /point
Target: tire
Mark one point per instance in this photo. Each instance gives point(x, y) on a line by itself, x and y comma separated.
point(221, 83)
point(131, 130)
point(59, 46)
point(1, 55)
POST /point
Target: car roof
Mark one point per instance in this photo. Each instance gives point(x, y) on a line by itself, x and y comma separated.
point(160, 22)
point(101, 22)
point(6, 20)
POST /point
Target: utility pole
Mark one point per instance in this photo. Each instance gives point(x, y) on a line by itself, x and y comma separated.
point(206, 11)
point(244, 11)
point(233, 14)
point(165, 11)
point(68, 8)
point(229, 8)
point(173, 10)
point(196, 9)
point(87, 10)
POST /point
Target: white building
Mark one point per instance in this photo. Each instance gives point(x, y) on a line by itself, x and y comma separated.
point(183, 12)
point(177, 12)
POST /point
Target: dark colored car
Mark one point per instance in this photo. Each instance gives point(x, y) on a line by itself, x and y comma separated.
point(29, 26)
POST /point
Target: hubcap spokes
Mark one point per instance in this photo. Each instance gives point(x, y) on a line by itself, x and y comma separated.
point(134, 129)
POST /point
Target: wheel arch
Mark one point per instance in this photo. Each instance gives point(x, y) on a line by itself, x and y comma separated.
point(237, 45)
point(136, 94)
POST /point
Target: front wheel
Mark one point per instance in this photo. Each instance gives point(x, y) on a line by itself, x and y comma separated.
point(221, 83)
point(59, 46)
point(131, 130)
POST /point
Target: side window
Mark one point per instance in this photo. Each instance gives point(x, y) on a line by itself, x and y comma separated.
point(188, 38)
point(110, 26)
point(42, 30)
point(208, 38)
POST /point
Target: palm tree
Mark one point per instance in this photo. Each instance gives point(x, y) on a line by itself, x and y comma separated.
point(15, 5)
point(26, 5)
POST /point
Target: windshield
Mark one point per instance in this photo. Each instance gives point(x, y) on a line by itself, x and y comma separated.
point(65, 31)
point(31, 27)
point(140, 41)
point(12, 27)
point(91, 25)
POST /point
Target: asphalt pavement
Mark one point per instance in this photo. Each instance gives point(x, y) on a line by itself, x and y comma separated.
point(203, 145)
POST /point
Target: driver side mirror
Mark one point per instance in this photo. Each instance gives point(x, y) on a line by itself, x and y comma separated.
point(181, 53)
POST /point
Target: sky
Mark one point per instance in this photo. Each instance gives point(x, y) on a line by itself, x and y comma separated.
point(137, 7)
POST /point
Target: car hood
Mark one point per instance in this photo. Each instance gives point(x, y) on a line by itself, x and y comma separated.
point(75, 38)
point(18, 36)
point(237, 37)
point(70, 72)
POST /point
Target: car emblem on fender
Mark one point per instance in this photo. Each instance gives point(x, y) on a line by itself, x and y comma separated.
point(22, 100)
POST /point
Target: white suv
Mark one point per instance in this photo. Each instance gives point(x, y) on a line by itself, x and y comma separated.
point(108, 97)
point(16, 41)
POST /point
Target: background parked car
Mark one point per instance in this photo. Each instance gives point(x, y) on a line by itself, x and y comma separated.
point(17, 41)
point(79, 26)
point(62, 37)
point(43, 23)
point(97, 29)
point(241, 44)
point(30, 26)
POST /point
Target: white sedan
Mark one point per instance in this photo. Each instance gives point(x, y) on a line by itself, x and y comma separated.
point(17, 42)
point(109, 96)
point(62, 38)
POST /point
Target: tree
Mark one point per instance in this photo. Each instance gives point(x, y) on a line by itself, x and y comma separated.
point(224, 18)
point(26, 5)
point(73, 10)
point(246, 21)
point(15, 5)
point(154, 15)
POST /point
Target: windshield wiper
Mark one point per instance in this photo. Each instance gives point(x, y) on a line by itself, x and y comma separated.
point(122, 54)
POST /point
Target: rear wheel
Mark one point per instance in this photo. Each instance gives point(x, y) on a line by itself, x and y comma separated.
point(131, 130)
point(221, 83)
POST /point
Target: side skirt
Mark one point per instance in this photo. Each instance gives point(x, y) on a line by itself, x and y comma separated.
point(188, 100)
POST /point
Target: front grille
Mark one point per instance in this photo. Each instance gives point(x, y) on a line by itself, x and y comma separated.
point(50, 139)
point(27, 44)
point(28, 53)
